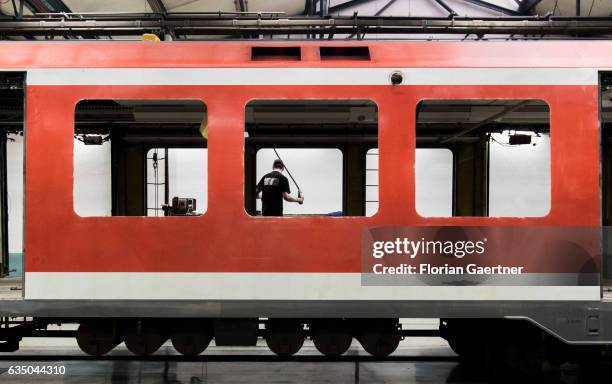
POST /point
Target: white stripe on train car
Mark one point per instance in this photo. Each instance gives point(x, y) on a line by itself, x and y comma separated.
point(269, 286)
point(311, 76)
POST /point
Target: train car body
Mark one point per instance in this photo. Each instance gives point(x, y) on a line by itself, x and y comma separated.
point(229, 264)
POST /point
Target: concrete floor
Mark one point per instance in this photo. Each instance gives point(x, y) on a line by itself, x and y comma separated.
point(243, 372)
point(11, 288)
point(118, 370)
point(607, 292)
point(169, 371)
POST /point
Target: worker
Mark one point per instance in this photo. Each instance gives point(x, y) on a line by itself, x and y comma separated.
point(273, 188)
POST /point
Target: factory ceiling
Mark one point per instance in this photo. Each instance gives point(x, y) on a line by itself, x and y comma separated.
point(303, 19)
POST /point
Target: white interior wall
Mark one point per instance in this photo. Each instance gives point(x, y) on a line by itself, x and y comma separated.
point(14, 160)
point(92, 179)
point(434, 182)
point(519, 177)
point(372, 182)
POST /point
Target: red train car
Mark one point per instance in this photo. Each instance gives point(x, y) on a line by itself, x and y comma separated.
point(133, 277)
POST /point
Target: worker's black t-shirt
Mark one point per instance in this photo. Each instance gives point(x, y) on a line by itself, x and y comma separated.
point(272, 186)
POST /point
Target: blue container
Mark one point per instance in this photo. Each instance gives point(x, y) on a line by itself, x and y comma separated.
point(16, 264)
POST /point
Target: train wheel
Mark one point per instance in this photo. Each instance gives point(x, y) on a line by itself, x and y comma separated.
point(331, 337)
point(469, 338)
point(191, 337)
point(98, 337)
point(380, 337)
point(144, 337)
point(473, 350)
point(284, 337)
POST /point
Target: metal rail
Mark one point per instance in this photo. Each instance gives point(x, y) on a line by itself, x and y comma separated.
point(202, 24)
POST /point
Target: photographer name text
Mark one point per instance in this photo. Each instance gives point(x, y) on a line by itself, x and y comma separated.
point(411, 249)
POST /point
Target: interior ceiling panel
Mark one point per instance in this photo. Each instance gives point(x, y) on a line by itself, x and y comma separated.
point(200, 5)
point(108, 6)
point(418, 8)
point(289, 7)
point(6, 8)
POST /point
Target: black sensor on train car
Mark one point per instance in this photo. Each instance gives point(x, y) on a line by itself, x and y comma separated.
point(519, 140)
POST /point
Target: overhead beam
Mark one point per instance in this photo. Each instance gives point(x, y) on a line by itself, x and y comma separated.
point(493, 7)
point(385, 7)
point(38, 6)
point(486, 121)
point(157, 6)
point(378, 13)
point(451, 12)
point(58, 6)
point(527, 6)
point(48, 6)
point(346, 4)
point(199, 25)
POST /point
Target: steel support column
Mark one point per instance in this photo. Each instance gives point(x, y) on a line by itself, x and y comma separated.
point(4, 251)
point(323, 8)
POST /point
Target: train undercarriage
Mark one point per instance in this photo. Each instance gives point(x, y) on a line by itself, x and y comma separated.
point(490, 342)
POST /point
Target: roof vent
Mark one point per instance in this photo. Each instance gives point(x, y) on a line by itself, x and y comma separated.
point(276, 53)
point(345, 53)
